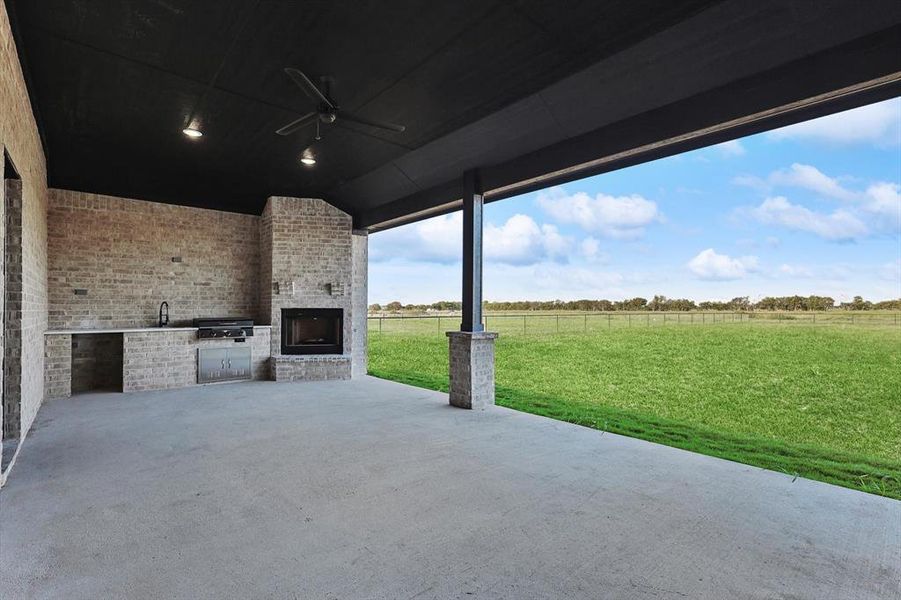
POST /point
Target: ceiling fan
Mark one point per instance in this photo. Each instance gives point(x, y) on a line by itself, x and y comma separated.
point(327, 111)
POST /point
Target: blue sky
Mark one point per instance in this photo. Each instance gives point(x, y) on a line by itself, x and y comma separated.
point(814, 208)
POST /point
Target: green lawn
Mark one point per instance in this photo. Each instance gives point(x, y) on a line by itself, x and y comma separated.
point(822, 402)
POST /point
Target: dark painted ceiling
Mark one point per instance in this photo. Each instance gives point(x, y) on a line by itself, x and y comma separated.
point(477, 84)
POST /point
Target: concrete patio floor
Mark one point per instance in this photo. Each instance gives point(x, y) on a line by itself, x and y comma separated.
point(372, 489)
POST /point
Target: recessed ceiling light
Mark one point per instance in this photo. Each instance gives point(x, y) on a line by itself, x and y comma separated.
point(308, 160)
point(191, 132)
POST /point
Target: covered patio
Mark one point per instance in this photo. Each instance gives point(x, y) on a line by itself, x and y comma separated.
point(165, 158)
point(372, 489)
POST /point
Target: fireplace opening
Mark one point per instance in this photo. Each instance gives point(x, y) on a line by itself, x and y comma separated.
point(312, 330)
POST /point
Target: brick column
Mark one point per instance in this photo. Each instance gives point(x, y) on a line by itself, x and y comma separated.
point(57, 366)
point(359, 303)
point(471, 368)
point(12, 335)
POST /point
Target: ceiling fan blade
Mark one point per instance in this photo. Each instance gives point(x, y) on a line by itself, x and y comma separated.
point(364, 121)
point(309, 88)
point(296, 124)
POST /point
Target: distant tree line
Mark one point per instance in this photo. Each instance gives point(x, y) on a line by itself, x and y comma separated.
point(657, 303)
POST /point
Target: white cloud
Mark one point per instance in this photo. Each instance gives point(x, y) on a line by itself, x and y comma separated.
point(839, 225)
point(811, 178)
point(837, 272)
point(555, 244)
point(884, 200)
point(619, 217)
point(436, 240)
point(891, 271)
point(439, 239)
point(752, 181)
point(878, 206)
point(795, 271)
point(518, 241)
point(878, 124)
point(721, 267)
point(570, 278)
point(731, 148)
point(590, 248)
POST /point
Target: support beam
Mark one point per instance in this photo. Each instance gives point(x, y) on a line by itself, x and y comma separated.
point(818, 83)
point(471, 350)
point(473, 203)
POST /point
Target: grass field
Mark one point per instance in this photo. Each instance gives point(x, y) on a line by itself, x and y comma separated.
point(822, 402)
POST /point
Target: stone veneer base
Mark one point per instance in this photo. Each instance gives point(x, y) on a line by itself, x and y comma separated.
point(471, 368)
point(310, 367)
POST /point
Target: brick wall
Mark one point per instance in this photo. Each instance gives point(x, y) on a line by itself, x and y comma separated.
point(308, 245)
point(265, 297)
point(34, 300)
point(300, 253)
point(121, 252)
point(311, 368)
point(12, 313)
point(19, 138)
point(2, 287)
point(58, 366)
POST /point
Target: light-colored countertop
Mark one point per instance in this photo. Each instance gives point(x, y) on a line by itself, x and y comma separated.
point(129, 330)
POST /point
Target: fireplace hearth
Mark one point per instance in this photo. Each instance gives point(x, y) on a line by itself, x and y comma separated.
point(312, 331)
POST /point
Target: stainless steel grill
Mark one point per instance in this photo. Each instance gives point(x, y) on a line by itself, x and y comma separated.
point(232, 328)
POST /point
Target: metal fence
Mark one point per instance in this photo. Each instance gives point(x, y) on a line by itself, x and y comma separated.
point(541, 323)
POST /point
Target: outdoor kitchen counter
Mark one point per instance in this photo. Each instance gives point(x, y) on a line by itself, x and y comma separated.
point(150, 358)
point(129, 330)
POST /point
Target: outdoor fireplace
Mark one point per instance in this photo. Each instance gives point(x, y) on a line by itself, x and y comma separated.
point(312, 331)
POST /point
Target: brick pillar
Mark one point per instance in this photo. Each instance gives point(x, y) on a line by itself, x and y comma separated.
point(359, 362)
point(58, 366)
point(12, 323)
point(471, 368)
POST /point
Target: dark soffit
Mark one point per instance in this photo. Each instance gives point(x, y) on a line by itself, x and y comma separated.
point(518, 89)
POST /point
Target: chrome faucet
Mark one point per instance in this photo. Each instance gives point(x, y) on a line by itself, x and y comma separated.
point(164, 317)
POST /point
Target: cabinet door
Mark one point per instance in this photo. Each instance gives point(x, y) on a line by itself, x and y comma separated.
point(212, 364)
point(238, 363)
